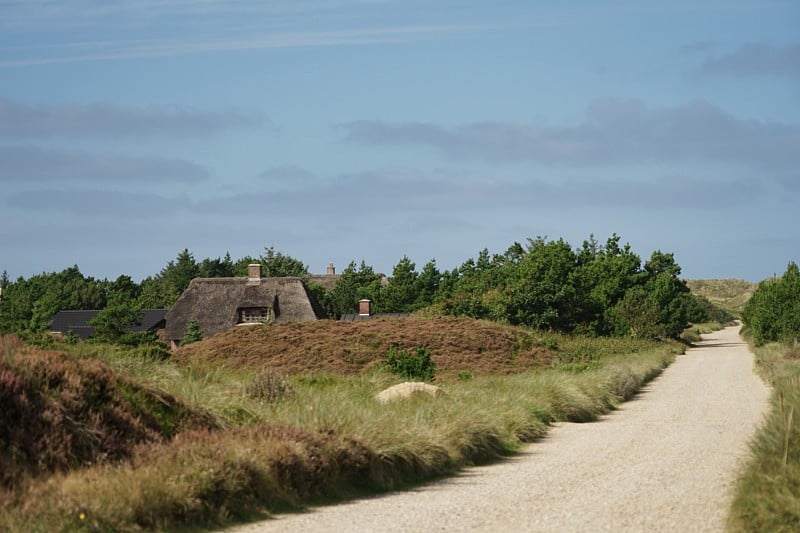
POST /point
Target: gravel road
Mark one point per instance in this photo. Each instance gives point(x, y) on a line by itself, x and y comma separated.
point(662, 462)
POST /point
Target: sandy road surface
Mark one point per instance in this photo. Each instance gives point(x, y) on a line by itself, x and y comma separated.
point(663, 462)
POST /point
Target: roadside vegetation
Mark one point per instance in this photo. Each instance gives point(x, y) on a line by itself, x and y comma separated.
point(232, 441)
point(768, 491)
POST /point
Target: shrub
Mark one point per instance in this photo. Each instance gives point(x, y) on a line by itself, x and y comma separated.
point(193, 332)
point(773, 312)
point(269, 386)
point(418, 365)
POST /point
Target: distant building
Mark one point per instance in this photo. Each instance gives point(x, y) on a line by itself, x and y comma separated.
point(219, 304)
point(77, 322)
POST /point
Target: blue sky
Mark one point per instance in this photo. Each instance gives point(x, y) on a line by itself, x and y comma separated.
point(339, 130)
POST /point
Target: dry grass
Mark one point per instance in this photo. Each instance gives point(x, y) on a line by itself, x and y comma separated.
point(59, 412)
point(767, 496)
point(330, 438)
point(350, 348)
point(729, 294)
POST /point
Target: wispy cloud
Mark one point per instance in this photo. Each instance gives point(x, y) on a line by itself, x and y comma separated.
point(90, 203)
point(148, 48)
point(288, 175)
point(23, 120)
point(27, 164)
point(756, 59)
point(613, 131)
point(390, 193)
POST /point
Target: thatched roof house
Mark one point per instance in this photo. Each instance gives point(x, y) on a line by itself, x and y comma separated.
point(219, 304)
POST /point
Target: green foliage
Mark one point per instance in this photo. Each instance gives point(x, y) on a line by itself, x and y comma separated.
point(701, 309)
point(401, 293)
point(595, 289)
point(773, 312)
point(29, 304)
point(113, 324)
point(193, 332)
point(417, 365)
point(273, 264)
point(354, 284)
point(276, 264)
point(659, 306)
point(216, 268)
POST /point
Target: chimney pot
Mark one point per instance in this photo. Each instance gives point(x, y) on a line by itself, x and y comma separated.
point(365, 307)
point(254, 271)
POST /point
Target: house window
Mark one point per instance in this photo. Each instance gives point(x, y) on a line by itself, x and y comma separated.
point(253, 315)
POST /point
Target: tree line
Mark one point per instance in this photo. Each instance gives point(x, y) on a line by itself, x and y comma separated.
point(598, 289)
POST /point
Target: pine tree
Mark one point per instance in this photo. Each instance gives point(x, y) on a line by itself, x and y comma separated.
point(193, 332)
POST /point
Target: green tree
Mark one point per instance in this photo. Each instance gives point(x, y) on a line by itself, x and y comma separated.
point(29, 304)
point(164, 289)
point(112, 324)
point(427, 285)
point(604, 275)
point(541, 293)
point(216, 268)
point(637, 316)
point(123, 289)
point(659, 306)
point(353, 285)
point(402, 291)
point(773, 312)
point(193, 332)
point(275, 264)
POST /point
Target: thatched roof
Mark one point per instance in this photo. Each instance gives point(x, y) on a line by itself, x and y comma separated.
point(215, 303)
point(326, 280)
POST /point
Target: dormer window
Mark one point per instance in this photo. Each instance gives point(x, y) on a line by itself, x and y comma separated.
point(254, 315)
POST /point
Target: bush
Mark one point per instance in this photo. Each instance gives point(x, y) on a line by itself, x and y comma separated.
point(773, 312)
point(193, 332)
point(269, 386)
point(418, 365)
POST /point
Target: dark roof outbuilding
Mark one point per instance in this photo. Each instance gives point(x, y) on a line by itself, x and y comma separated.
point(77, 322)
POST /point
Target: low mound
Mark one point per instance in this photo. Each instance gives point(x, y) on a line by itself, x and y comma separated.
point(455, 344)
point(729, 294)
point(58, 412)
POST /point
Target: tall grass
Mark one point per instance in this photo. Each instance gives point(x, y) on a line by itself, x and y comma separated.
point(328, 439)
point(767, 496)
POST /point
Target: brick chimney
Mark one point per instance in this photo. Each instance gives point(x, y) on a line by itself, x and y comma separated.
point(364, 307)
point(254, 271)
point(331, 269)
